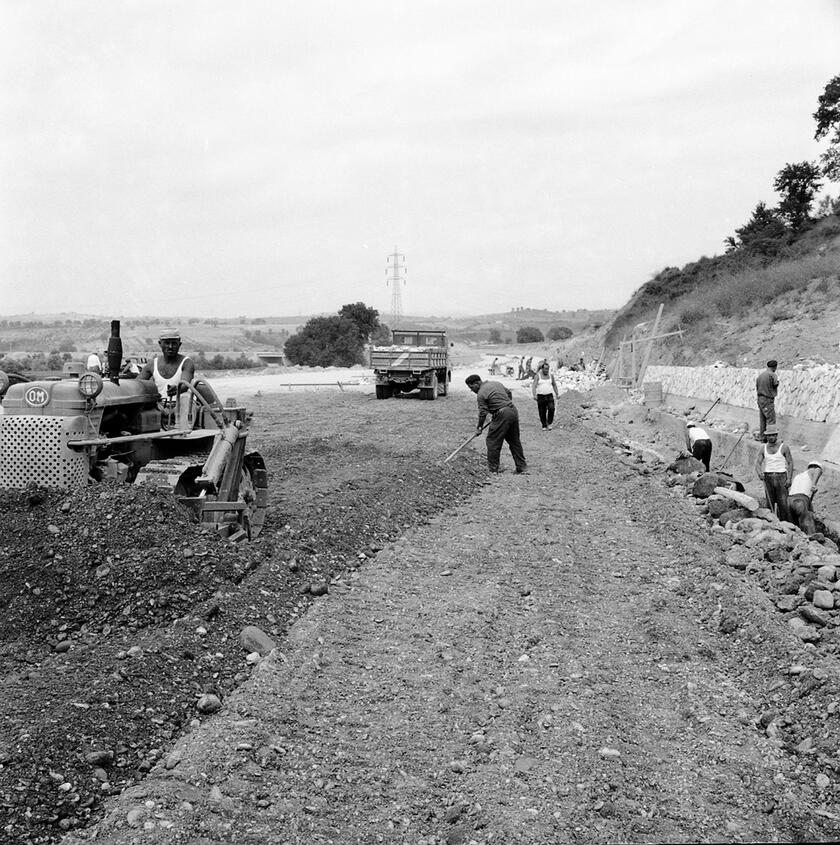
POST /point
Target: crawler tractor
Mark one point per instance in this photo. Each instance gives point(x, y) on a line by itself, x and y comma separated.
point(69, 432)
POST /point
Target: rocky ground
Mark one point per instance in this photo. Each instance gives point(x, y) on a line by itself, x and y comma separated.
point(580, 654)
point(117, 614)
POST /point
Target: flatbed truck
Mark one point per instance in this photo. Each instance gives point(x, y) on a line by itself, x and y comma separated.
point(416, 359)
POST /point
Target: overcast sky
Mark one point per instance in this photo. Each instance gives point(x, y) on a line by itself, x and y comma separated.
point(263, 158)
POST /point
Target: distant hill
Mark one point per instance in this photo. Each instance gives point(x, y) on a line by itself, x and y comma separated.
point(29, 334)
point(478, 329)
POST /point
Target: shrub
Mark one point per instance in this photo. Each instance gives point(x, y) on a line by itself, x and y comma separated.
point(559, 333)
point(692, 314)
point(529, 334)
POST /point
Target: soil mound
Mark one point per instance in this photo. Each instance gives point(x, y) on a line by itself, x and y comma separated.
point(90, 558)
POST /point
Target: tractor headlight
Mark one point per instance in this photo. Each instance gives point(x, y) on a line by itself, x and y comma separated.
point(90, 385)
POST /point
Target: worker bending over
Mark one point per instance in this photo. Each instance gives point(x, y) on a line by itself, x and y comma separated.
point(803, 488)
point(495, 399)
point(698, 442)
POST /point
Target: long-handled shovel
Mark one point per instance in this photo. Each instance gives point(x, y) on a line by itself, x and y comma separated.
point(710, 410)
point(731, 452)
point(468, 440)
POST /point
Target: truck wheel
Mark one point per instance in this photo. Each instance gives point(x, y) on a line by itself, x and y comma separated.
point(432, 390)
point(444, 385)
point(383, 391)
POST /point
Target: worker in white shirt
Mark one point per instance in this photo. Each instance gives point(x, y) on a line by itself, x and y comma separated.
point(803, 488)
point(698, 442)
point(774, 466)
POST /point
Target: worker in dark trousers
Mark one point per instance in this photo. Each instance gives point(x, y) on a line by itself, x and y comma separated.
point(774, 466)
point(699, 443)
point(766, 387)
point(801, 494)
point(544, 390)
point(495, 399)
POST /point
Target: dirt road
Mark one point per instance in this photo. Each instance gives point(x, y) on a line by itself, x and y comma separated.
point(556, 657)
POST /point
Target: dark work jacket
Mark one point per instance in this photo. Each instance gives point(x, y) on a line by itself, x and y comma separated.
point(767, 384)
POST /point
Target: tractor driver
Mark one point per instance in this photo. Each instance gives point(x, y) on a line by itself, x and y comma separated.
point(171, 369)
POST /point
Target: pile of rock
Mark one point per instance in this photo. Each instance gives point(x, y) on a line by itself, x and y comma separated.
point(800, 574)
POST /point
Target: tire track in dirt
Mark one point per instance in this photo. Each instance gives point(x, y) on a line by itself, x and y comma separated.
point(541, 664)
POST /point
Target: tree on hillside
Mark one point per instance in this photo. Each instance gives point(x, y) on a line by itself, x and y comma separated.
point(827, 116)
point(762, 234)
point(798, 185)
point(336, 341)
point(495, 336)
point(559, 333)
point(828, 205)
point(529, 334)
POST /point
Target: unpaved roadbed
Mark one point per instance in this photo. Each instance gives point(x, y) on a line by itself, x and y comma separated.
point(563, 657)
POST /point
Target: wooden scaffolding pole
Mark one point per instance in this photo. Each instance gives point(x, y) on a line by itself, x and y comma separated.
point(643, 368)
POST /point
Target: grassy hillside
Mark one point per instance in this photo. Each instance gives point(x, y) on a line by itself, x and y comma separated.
point(744, 307)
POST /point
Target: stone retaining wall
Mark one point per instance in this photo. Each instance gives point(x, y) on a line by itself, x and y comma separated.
point(812, 394)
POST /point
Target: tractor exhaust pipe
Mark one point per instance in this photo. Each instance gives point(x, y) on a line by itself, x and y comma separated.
point(115, 352)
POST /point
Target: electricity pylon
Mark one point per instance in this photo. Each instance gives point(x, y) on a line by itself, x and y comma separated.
point(395, 273)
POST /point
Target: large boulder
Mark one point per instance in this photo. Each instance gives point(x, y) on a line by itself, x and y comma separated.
point(718, 505)
point(684, 465)
point(254, 639)
point(767, 539)
point(733, 515)
point(705, 485)
point(805, 632)
point(815, 587)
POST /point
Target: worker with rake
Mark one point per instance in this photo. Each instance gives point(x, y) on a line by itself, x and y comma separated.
point(495, 399)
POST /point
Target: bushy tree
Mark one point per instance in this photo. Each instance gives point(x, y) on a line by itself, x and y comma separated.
point(381, 335)
point(827, 117)
point(495, 336)
point(366, 319)
point(559, 333)
point(762, 234)
point(798, 185)
point(336, 341)
point(529, 334)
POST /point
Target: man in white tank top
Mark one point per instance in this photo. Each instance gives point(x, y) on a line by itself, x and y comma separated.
point(544, 390)
point(171, 369)
point(774, 467)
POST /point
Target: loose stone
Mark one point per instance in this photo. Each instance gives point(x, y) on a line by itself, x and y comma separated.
point(253, 639)
point(208, 703)
point(824, 599)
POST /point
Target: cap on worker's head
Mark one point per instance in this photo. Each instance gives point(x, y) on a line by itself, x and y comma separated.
point(772, 363)
point(690, 424)
point(816, 464)
point(169, 334)
point(473, 379)
point(771, 429)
